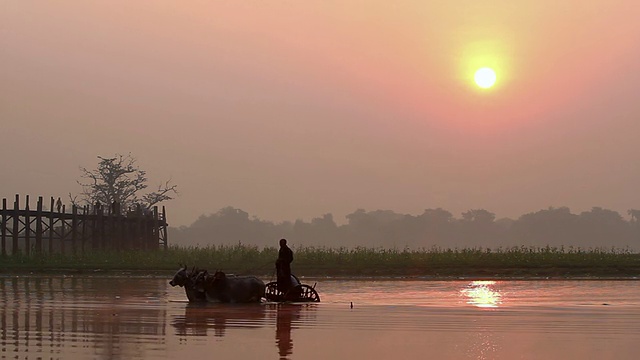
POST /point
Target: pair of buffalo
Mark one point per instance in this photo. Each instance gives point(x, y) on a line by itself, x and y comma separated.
point(200, 286)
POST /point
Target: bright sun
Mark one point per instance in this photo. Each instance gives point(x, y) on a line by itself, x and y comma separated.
point(485, 77)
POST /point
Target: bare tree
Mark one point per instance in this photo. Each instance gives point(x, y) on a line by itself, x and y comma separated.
point(119, 180)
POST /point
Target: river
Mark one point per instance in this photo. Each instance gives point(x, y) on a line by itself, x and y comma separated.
point(142, 317)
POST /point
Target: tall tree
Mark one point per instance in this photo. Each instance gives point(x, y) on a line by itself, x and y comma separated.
point(119, 179)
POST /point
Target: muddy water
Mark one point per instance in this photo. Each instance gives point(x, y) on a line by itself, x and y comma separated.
point(134, 317)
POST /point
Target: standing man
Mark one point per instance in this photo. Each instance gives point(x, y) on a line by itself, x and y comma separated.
point(283, 266)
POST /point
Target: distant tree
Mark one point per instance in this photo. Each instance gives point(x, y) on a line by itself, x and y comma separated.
point(230, 226)
point(505, 223)
point(477, 228)
point(600, 216)
point(547, 227)
point(635, 215)
point(603, 227)
point(437, 216)
point(434, 227)
point(478, 216)
point(325, 230)
point(372, 228)
point(359, 218)
point(118, 179)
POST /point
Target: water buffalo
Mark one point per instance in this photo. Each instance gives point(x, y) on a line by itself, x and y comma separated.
point(186, 279)
point(230, 289)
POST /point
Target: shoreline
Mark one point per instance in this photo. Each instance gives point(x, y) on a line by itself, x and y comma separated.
point(470, 275)
point(514, 263)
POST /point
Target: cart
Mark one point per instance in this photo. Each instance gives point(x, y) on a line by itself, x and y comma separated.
point(298, 292)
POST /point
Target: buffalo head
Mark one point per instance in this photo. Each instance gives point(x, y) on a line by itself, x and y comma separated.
point(180, 278)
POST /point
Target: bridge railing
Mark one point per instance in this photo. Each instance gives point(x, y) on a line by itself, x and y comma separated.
point(26, 230)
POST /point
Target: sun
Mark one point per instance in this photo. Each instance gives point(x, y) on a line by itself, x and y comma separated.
point(485, 77)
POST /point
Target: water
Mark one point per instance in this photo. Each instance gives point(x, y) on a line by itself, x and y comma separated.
point(135, 317)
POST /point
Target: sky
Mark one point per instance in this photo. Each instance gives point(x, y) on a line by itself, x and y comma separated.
point(292, 109)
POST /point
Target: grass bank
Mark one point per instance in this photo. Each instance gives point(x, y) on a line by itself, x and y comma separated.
point(360, 261)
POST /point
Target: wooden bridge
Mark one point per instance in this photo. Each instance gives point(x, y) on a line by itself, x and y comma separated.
point(97, 227)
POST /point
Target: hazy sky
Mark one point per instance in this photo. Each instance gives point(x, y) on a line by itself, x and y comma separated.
point(292, 109)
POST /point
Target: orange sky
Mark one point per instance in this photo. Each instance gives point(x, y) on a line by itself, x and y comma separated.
point(294, 109)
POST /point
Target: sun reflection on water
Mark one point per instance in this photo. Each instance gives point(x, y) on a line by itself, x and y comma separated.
point(482, 294)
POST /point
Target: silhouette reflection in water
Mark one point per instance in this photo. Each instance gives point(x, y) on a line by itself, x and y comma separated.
point(286, 314)
point(199, 319)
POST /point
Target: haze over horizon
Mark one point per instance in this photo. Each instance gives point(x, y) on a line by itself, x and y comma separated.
point(290, 110)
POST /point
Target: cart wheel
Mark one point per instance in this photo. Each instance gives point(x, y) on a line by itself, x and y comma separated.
point(309, 294)
point(271, 292)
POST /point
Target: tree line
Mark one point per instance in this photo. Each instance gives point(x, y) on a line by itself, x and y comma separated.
point(119, 180)
point(596, 228)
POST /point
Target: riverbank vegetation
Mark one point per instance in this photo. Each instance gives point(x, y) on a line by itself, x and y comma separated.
point(358, 261)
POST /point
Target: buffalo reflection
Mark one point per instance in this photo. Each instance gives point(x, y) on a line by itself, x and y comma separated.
point(198, 318)
point(482, 294)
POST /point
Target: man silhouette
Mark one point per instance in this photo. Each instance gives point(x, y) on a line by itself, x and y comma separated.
point(283, 266)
